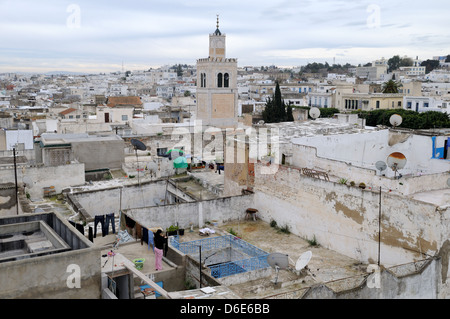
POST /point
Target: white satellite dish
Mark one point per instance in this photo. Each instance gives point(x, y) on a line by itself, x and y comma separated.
point(314, 112)
point(303, 260)
point(395, 120)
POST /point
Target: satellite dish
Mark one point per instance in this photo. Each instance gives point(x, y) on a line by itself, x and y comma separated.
point(395, 120)
point(278, 261)
point(28, 181)
point(314, 112)
point(381, 166)
point(396, 161)
point(303, 260)
point(138, 145)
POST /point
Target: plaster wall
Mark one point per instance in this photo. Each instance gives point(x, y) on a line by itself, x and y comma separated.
point(364, 150)
point(99, 155)
point(345, 219)
point(111, 200)
point(221, 210)
point(60, 177)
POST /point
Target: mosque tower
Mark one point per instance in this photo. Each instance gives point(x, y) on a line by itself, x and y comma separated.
point(217, 94)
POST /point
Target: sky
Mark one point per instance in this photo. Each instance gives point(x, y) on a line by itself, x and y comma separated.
point(106, 36)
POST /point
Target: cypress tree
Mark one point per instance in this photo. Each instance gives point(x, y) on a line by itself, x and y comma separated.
point(289, 116)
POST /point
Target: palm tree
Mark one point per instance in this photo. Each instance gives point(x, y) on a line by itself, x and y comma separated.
point(390, 86)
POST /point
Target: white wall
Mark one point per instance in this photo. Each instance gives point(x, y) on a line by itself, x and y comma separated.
point(345, 219)
point(60, 177)
point(17, 137)
point(365, 149)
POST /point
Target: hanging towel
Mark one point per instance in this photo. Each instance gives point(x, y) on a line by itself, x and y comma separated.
point(150, 240)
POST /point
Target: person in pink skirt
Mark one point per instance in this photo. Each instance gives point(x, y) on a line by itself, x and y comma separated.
point(160, 240)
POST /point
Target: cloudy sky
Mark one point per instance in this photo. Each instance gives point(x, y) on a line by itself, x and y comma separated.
point(98, 36)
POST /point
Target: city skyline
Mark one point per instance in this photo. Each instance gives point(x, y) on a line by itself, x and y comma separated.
point(104, 36)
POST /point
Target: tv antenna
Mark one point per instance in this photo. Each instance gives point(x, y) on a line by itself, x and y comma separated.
point(395, 120)
point(396, 161)
point(138, 145)
point(314, 112)
point(381, 166)
point(278, 261)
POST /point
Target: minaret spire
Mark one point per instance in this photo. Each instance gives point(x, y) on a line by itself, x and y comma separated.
point(217, 32)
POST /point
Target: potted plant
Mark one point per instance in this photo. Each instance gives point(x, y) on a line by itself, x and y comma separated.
point(172, 230)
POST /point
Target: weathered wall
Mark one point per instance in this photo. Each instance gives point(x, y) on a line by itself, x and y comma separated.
point(46, 277)
point(422, 283)
point(306, 157)
point(60, 177)
point(196, 213)
point(345, 219)
point(364, 150)
point(99, 155)
point(8, 199)
point(112, 199)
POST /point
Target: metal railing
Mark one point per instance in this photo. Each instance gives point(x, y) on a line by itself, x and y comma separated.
point(257, 257)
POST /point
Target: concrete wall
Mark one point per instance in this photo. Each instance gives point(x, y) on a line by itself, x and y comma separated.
point(364, 150)
point(111, 200)
point(431, 174)
point(345, 219)
point(60, 177)
point(422, 283)
point(99, 155)
point(222, 209)
point(47, 277)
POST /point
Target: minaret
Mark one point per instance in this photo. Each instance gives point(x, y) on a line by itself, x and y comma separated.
point(217, 94)
point(217, 43)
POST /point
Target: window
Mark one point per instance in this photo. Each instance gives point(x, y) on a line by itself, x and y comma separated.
point(408, 105)
point(425, 104)
point(226, 80)
point(219, 80)
point(203, 80)
point(399, 104)
point(124, 117)
point(161, 151)
point(378, 105)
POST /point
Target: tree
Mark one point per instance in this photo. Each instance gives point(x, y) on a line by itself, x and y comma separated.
point(447, 60)
point(430, 65)
point(390, 87)
point(275, 110)
point(394, 63)
point(179, 70)
point(411, 119)
point(289, 115)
